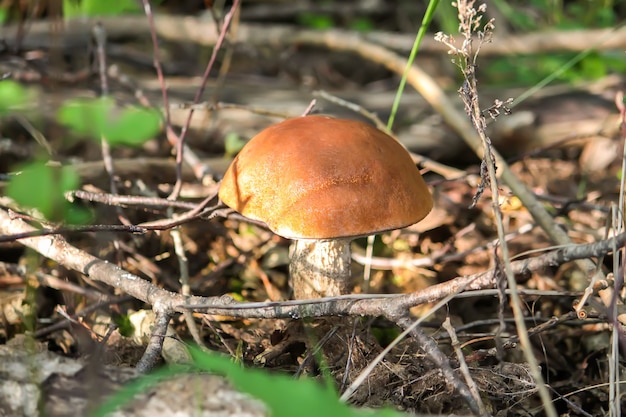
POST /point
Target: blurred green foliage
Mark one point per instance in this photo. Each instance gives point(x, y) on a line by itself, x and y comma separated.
point(36, 184)
point(232, 144)
point(361, 24)
point(320, 21)
point(101, 117)
point(315, 21)
point(13, 10)
point(545, 16)
point(13, 97)
point(531, 15)
point(42, 187)
point(82, 8)
point(529, 69)
point(519, 17)
point(124, 325)
point(284, 396)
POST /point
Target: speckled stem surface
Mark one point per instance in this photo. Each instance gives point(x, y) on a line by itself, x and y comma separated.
point(319, 268)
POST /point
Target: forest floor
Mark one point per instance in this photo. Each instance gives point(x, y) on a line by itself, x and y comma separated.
point(564, 145)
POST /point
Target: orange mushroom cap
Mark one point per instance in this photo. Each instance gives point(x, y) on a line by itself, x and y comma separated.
point(317, 177)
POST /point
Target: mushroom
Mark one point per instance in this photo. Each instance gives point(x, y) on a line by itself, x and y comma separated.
point(323, 181)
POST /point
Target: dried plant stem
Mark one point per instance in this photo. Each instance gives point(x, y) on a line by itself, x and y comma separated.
point(100, 37)
point(480, 125)
point(435, 96)
point(470, 24)
point(516, 303)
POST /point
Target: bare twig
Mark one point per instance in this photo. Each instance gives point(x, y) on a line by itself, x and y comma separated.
point(441, 361)
point(205, 77)
point(185, 289)
point(197, 211)
point(201, 169)
point(100, 37)
point(128, 200)
point(156, 54)
point(471, 384)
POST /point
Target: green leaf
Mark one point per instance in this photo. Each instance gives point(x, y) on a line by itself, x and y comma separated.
point(232, 144)
point(12, 96)
point(86, 116)
point(134, 126)
point(124, 325)
point(361, 24)
point(315, 21)
point(284, 396)
point(133, 389)
point(90, 8)
point(99, 118)
point(42, 187)
point(593, 67)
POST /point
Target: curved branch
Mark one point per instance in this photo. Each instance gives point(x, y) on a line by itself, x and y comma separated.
point(203, 31)
point(58, 250)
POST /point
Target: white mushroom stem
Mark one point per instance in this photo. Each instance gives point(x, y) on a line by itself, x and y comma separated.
point(319, 268)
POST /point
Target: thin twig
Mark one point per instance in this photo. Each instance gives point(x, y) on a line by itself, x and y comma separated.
point(100, 38)
point(185, 290)
point(205, 77)
point(471, 384)
point(156, 54)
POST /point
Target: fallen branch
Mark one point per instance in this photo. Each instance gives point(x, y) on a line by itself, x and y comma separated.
point(202, 31)
point(395, 305)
